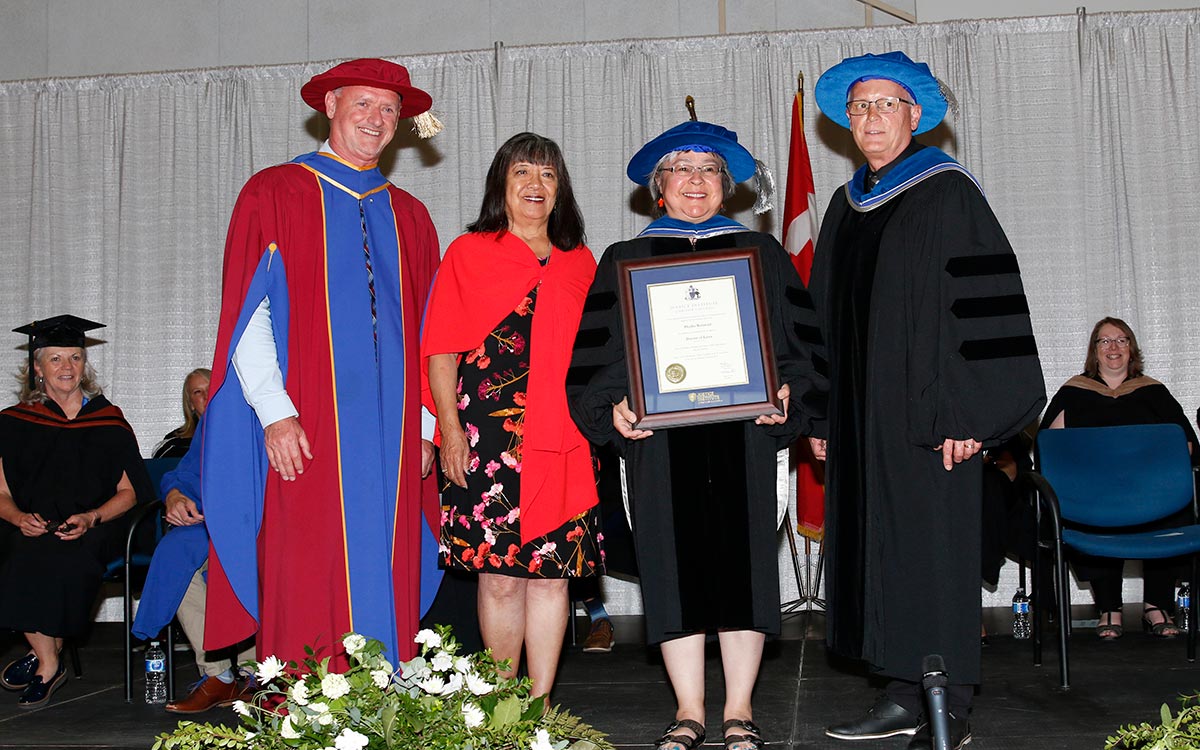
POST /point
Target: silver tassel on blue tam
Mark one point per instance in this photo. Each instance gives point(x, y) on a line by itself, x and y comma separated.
point(948, 95)
point(764, 185)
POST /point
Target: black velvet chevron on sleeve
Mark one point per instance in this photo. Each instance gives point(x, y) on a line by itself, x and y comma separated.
point(991, 306)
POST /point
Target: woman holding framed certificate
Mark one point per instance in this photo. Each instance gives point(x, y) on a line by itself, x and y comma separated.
point(696, 328)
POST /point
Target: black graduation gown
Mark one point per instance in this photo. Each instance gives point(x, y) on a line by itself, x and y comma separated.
point(927, 336)
point(1142, 400)
point(702, 498)
point(58, 467)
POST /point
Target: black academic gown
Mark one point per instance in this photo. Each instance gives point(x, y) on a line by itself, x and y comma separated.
point(1089, 402)
point(703, 498)
point(57, 467)
point(927, 337)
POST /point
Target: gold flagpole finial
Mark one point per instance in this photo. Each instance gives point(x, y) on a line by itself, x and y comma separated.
point(800, 83)
point(691, 107)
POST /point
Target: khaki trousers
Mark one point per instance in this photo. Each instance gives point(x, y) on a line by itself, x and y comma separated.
point(191, 618)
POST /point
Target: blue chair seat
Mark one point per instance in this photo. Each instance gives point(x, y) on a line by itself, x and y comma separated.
point(1148, 545)
point(1112, 479)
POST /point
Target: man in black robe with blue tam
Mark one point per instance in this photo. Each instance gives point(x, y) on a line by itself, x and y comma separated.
point(931, 359)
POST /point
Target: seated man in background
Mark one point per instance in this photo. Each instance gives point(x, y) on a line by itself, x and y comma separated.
point(176, 587)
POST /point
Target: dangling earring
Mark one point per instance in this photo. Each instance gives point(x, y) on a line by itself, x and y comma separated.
point(661, 203)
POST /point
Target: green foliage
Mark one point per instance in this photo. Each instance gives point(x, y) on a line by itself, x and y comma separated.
point(438, 701)
point(1179, 732)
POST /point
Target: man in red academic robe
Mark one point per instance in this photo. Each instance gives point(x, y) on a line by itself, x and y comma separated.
point(313, 460)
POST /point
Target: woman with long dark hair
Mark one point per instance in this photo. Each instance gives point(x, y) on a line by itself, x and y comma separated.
point(519, 502)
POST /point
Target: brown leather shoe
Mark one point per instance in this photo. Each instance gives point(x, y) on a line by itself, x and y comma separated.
point(600, 639)
point(209, 693)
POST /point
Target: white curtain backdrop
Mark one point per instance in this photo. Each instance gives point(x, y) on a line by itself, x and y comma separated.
point(116, 190)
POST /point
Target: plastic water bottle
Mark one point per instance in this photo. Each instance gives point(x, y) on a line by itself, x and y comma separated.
point(1183, 606)
point(1021, 626)
point(156, 674)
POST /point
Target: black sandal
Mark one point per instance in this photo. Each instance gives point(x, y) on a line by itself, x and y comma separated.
point(1164, 628)
point(755, 740)
point(688, 743)
point(1108, 630)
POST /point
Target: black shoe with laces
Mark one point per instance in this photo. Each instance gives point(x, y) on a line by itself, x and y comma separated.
point(884, 719)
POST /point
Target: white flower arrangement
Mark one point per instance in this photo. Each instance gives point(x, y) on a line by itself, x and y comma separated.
point(440, 700)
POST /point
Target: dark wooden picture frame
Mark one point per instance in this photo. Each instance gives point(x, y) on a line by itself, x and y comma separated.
point(759, 397)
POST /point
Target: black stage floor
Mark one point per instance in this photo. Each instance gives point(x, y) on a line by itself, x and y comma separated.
point(625, 693)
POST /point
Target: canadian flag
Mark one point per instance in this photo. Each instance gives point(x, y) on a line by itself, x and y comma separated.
point(799, 236)
point(799, 214)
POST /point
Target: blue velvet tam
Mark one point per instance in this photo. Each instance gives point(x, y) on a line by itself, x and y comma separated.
point(833, 87)
point(693, 136)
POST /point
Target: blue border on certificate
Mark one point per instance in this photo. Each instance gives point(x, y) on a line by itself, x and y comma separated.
point(754, 391)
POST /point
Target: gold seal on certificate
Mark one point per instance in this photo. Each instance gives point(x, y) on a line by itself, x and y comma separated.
point(675, 373)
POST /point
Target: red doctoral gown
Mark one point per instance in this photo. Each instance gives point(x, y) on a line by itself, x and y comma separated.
point(339, 549)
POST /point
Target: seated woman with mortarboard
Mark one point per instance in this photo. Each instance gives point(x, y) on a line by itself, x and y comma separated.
point(69, 468)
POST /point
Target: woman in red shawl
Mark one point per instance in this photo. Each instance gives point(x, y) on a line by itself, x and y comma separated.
point(519, 503)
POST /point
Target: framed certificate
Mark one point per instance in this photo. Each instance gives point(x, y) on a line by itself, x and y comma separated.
point(699, 349)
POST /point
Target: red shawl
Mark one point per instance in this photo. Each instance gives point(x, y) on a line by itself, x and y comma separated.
point(483, 278)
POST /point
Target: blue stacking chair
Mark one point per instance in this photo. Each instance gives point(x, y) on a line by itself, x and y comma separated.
point(1107, 478)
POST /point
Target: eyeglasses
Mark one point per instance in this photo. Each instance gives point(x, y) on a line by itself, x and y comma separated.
point(1120, 341)
point(707, 171)
point(884, 105)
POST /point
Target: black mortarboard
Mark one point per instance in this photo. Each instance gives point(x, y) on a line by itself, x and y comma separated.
point(60, 330)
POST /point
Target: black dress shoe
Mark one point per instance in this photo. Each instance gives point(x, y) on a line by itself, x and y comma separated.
point(37, 693)
point(884, 719)
point(19, 672)
point(960, 734)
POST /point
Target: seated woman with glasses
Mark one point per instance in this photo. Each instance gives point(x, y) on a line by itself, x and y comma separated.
point(1112, 390)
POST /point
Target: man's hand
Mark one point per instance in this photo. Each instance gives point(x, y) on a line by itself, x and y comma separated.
point(819, 446)
point(287, 447)
point(181, 510)
point(957, 451)
point(426, 458)
point(623, 419)
point(785, 391)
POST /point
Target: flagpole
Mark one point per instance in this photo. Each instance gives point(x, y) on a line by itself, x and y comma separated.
point(800, 232)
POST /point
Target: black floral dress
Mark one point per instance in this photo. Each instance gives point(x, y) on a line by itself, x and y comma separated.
point(481, 525)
